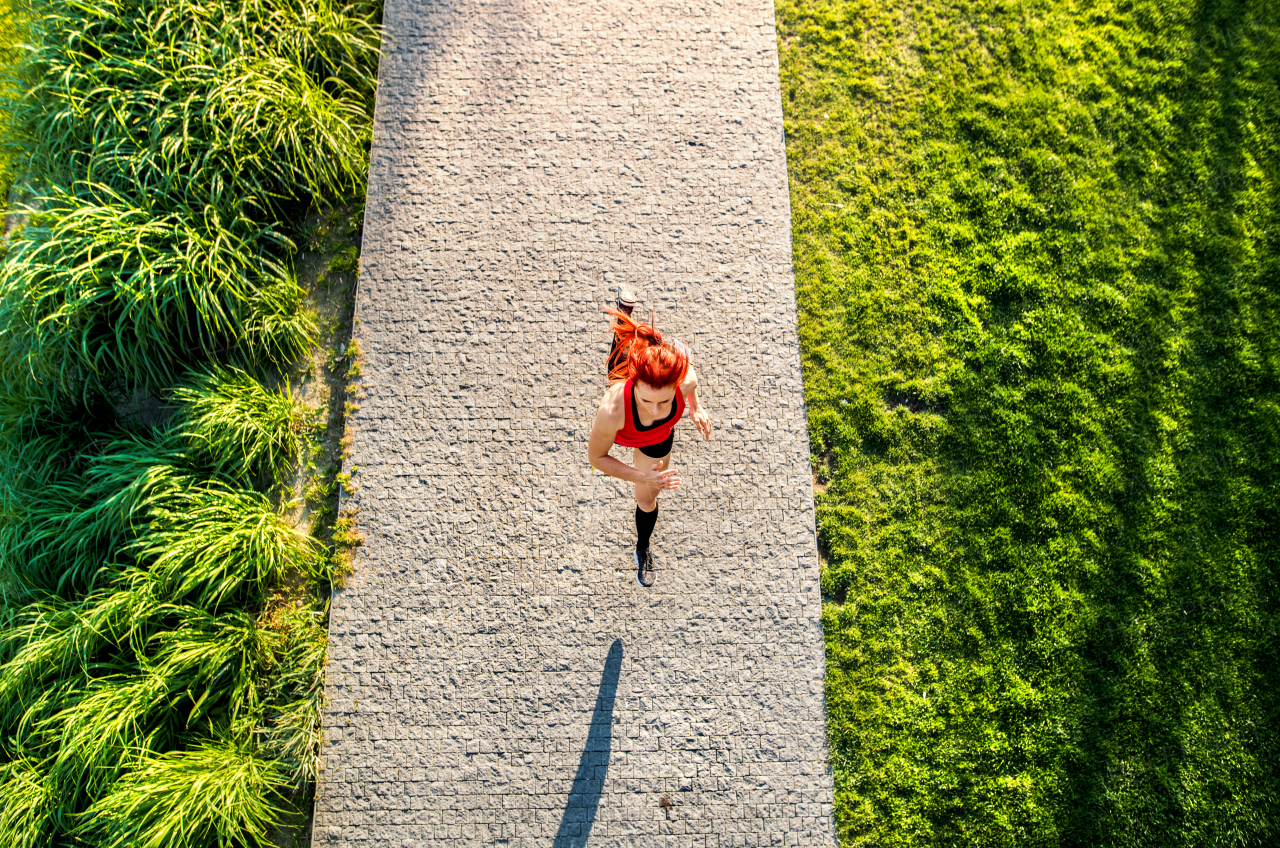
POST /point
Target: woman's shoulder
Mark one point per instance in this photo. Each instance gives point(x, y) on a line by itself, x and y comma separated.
point(613, 405)
point(690, 381)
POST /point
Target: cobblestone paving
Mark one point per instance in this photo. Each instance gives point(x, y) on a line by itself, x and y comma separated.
point(496, 676)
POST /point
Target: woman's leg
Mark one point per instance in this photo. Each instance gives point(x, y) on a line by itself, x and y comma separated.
point(646, 495)
point(615, 357)
point(646, 513)
point(647, 498)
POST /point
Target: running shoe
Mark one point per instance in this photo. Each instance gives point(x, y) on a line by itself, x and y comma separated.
point(645, 575)
point(626, 300)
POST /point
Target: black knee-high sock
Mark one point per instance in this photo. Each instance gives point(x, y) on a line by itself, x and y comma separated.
point(644, 527)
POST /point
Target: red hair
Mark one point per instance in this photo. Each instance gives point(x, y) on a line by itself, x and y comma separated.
point(648, 358)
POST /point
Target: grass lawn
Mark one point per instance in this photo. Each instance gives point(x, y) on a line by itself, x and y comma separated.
point(1037, 249)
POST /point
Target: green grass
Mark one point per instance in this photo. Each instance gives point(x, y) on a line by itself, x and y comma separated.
point(139, 620)
point(1037, 260)
point(162, 614)
point(244, 428)
point(212, 794)
point(12, 16)
point(107, 296)
point(143, 254)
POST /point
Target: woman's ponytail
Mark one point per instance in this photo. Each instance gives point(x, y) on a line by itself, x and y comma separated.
point(647, 357)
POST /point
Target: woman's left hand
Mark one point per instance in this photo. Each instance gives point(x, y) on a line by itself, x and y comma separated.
point(703, 422)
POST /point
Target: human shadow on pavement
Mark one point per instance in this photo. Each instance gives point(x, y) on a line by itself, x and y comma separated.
point(584, 797)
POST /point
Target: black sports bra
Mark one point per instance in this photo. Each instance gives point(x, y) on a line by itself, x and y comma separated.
point(635, 413)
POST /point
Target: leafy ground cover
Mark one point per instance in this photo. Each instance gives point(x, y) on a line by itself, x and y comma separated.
point(175, 310)
point(1038, 267)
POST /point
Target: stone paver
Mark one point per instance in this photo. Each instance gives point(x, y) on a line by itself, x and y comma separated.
point(496, 677)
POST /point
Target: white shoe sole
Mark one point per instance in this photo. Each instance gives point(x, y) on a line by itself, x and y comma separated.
point(635, 557)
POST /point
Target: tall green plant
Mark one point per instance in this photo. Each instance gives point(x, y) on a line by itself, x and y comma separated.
point(169, 137)
point(139, 561)
point(102, 295)
point(153, 690)
point(246, 429)
point(291, 721)
point(216, 793)
point(74, 499)
point(28, 808)
point(164, 654)
point(13, 18)
point(210, 545)
point(203, 102)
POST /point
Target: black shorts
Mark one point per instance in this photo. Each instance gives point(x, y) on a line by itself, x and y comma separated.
point(661, 449)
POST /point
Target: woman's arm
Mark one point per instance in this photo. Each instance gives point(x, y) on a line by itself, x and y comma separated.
point(689, 388)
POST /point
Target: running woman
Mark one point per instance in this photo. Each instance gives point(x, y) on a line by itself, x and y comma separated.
point(652, 384)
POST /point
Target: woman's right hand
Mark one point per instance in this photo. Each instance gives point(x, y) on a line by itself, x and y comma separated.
point(668, 479)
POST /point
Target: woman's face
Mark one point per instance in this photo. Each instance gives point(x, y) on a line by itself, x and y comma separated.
point(654, 403)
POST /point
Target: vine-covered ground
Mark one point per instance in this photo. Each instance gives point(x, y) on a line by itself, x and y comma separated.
point(1037, 251)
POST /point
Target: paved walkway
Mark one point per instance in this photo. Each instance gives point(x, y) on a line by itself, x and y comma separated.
point(495, 675)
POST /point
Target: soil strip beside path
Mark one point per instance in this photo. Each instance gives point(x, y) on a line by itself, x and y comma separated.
point(496, 676)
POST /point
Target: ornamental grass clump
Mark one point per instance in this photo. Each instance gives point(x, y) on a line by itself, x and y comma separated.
point(210, 545)
point(162, 619)
point(171, 140)
point(161, 645)
point(27, 809)
point(245, 429)
point(11, 39)
point(204, 103)
point(102, 295)
point(290, 729)
point(214, 794)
